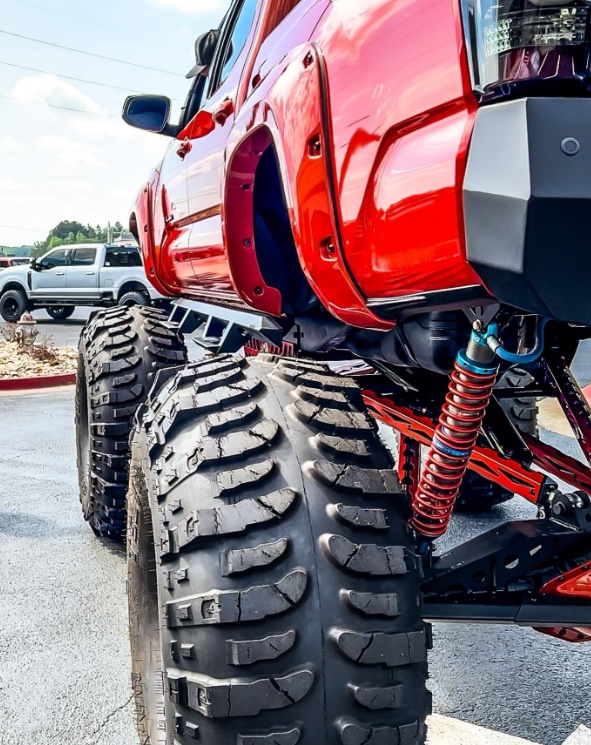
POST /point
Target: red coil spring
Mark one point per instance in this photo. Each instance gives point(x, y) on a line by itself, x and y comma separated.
point(453, 443)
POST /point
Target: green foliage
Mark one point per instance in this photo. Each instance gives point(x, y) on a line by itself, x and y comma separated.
point(68, 232)
point(65, 228)
point(54, 241)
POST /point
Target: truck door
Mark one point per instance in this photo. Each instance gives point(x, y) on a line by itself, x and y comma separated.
point(205, 142)
point(82, 273)
point(49, 280)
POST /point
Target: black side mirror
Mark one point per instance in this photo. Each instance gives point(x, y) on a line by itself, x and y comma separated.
point(150, 113)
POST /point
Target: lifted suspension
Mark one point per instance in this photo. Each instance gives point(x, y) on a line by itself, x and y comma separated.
point(470, 389)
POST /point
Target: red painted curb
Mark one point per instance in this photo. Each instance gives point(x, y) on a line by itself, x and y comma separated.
point(43, 381)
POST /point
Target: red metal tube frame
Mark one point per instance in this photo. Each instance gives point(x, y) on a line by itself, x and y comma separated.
point(508, 473)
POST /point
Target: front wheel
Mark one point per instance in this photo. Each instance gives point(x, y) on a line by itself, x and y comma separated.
point(13, 304)
point(274, 588)
point(120, 352)
point(61, 313)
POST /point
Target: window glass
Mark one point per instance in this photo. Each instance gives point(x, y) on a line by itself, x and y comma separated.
point(84, 257)
point(123, 256)
point(239, 36)
point(193, 103)
point(57, 258)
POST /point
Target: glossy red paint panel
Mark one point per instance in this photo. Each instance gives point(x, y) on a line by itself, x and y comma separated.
point(575, 583)
point(288, 103)
point(372, 153)
point(407, 238)
point(402, 113)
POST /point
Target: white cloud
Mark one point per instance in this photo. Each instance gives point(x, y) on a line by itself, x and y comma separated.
point(193, 7)
point(9, 185)
point(152, 145)
point(96, 128)
point(9, 145)
point(49, 89)
point(69, 151)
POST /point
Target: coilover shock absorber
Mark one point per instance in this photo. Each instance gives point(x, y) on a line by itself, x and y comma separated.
point(470, 388)
point(472, 381)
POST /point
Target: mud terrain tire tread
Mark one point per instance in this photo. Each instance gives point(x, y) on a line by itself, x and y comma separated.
point(120, 351)
point(134, 297)
point(288, 586)
point(20, 298)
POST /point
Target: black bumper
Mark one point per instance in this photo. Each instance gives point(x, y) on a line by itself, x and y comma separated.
point(527, 203)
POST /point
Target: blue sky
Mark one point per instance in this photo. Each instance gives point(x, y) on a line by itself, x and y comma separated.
point(57, 164)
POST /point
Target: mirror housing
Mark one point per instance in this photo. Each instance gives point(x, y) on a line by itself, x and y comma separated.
point(150, 113)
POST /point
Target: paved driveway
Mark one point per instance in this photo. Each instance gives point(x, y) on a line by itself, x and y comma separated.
point(64, 663)
point(64, 667)
point(63, 333)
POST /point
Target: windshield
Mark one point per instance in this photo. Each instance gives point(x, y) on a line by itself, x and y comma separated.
point(517, 42)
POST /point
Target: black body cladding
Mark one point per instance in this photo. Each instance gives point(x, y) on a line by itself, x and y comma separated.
point(527, 203)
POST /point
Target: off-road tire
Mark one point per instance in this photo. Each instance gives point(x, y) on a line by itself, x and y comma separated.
point(59, 313)
point(477, 493)
point(120, 351)
point(282, 604)
point(135, 297)
point(13, 303)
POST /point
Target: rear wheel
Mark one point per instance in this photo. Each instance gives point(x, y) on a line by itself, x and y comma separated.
point(274, 588)
point(13, 304)
point(134, 298)
point(120, 351)
point(60, 313)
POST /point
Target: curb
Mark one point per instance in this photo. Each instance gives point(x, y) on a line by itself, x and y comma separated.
point(43, 381)
point(447, 731)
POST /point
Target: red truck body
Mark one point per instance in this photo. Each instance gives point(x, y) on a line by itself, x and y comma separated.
point(402, 182)
point(372, 181)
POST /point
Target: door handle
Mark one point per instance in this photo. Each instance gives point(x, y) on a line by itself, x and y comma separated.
point(184, 149)
point(223, 112)
point(59, 274)
point(90, 274)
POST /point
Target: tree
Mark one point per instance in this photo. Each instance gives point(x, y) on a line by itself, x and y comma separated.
point(65, 227)
point(39, 248)
point(69, 232)
point(54, 242)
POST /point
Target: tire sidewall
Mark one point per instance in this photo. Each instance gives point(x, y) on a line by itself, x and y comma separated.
point(131, 299)
point(63, 313)
point(83, 438)
point(17, 296)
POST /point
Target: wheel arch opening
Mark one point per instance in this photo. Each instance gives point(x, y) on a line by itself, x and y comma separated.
point(131, 286)
point(14, 286)
point(261, 243)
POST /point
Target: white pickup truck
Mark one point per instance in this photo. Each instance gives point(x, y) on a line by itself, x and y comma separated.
point(82, 274)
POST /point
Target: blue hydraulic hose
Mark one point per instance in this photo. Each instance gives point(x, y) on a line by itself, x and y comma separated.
point(512, 357)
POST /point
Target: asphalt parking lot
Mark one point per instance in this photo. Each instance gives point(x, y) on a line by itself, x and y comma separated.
point(62, 333)
point(64, 673)
point(63, 637)
point(64, 665)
